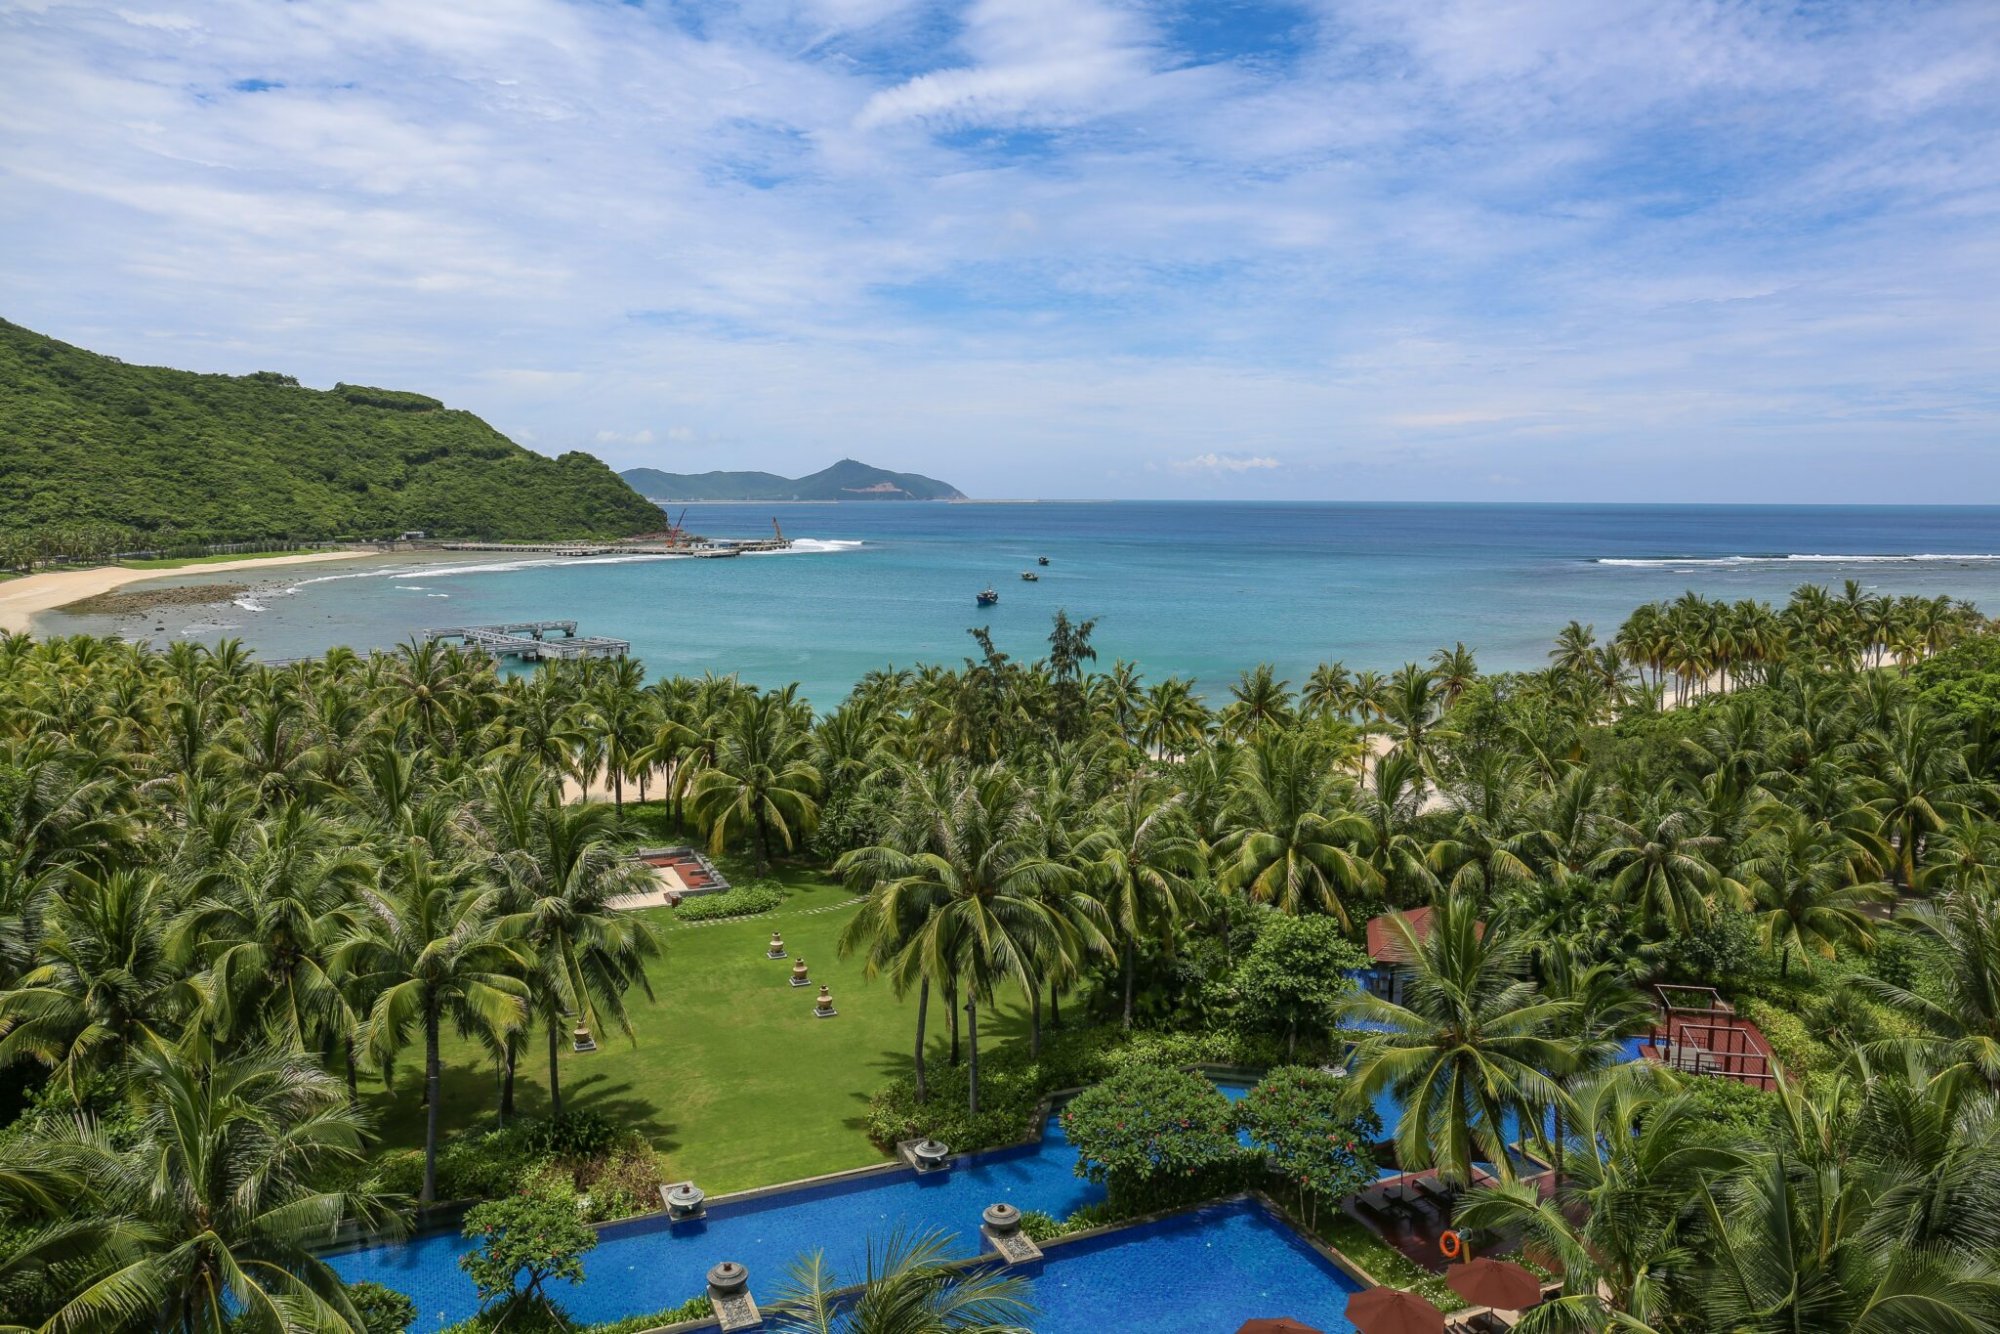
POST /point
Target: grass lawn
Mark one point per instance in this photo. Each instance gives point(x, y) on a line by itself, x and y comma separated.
point(733, 1079)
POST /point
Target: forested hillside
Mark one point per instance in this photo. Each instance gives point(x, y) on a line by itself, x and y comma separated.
point(88, 439)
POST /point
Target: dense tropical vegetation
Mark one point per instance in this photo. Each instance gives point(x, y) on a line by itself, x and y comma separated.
point(90, 445)
point(234, 897)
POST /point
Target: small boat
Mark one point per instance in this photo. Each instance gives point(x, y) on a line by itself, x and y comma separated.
point(1041, 560)
point(1030, 576)
point(988, 598)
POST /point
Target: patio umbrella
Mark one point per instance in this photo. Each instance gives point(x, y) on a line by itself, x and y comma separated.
point(1276, 1325)
point(1500, 1284)
point(1391, 1311)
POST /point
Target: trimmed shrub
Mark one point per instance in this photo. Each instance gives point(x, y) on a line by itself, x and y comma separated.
point(742, 901)
point(382, 1310)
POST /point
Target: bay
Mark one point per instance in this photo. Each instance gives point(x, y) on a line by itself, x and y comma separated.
point(1198, 589)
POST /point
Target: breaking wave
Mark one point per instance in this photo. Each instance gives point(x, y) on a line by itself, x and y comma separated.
point(1682, 562)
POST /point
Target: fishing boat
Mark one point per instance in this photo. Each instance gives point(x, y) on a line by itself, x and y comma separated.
point(1041, 560)
point(1030, 576)
point(988, 598)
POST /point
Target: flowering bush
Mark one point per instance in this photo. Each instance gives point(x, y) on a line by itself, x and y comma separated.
point(1155, 1136)
point(1311, 1138)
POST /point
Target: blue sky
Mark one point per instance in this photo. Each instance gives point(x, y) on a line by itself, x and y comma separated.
point(1387, 249)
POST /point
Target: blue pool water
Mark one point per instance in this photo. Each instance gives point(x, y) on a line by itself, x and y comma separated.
point(1204, 1272)
point(647, 1265)
point(1191, 1272)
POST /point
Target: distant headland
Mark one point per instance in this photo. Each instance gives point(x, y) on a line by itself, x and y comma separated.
point(845, 480)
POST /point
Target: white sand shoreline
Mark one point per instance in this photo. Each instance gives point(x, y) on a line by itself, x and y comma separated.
point(21, 599)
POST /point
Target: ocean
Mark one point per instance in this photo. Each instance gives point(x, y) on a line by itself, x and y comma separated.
point(1199, 589)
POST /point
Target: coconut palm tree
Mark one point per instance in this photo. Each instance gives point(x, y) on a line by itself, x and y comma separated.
point(761, 778)
point(1960, 1014)
point(1619, 1221)
point(1919, 784)
point(616, 721)
point(264, 930)
point(1172, 720)
point(1660, 865)
point(429, 948)
point(1803, 874)
point(1292, 842)
point(908, 1285)
point(237, 1175)
point(1472, 1053)
point(968, 886)
point(1140, 861)
point(1258, 701)
point(105, 982)
point(560, 873)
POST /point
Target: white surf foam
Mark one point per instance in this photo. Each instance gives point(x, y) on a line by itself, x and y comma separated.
point(813, 546)
point(1798, 558)
point(248, 604)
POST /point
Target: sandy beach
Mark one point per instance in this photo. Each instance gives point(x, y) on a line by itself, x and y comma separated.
point(21, 598)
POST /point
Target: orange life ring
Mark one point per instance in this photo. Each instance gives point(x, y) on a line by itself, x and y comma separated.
point(1449, 1243)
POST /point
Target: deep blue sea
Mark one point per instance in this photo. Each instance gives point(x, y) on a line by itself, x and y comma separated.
point(1200, 589)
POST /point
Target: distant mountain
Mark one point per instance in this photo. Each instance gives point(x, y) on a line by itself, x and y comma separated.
point(845, 480)
point(85, 438)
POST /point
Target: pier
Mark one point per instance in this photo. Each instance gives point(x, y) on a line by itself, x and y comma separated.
point(527, 641)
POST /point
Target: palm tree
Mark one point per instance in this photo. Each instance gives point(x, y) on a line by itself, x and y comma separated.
point(1803, 874)
point(1659, 864)
point(1172, 721)
point(1576, 649)
point(1920, 785)
point(264, 932)
point(1391, 801)
point(909, 1285)
point(1473, 1051)
point(761, 777)
point(1618, 1221)
point(220, 1204)
point(1326, 692)
point(615, 719)
point(561, 873)
point(1961, 1012)
point(428, 947)
point(1141, 862)
point(1455, 670)
point(1258, 700)
point(1292, 842)
point(105, 983)
point(973, 886)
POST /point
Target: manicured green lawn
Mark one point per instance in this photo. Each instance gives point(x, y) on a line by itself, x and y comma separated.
point(733, 1079)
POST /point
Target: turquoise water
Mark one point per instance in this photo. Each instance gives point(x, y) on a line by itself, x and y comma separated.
point(1194, 589)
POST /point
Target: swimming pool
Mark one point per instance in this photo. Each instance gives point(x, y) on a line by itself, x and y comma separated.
point(1203, 1272)
point(649, 1264)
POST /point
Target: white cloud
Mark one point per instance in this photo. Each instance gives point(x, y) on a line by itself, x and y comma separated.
point(1610, 248)
point(1212, 462)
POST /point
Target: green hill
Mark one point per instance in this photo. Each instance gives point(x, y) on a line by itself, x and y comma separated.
point(845, 480)
point(87, 439)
